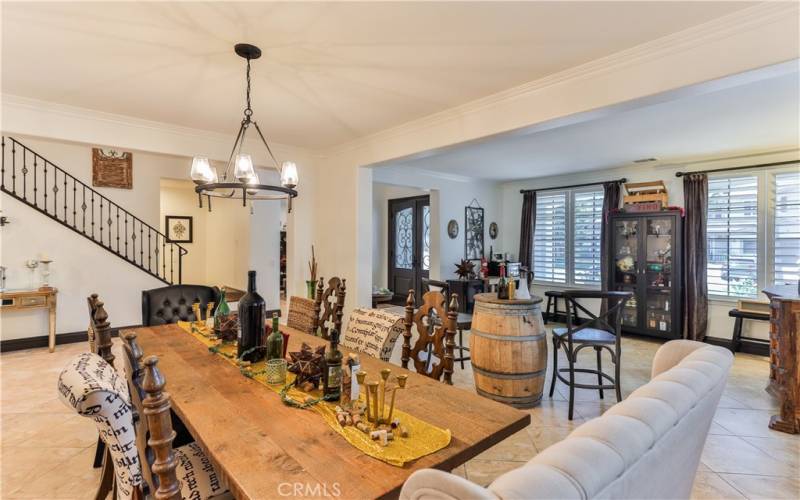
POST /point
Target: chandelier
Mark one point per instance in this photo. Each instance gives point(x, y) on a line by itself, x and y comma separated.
point(240, 180)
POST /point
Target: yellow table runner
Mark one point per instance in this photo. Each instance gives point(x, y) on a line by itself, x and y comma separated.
point(423, 438)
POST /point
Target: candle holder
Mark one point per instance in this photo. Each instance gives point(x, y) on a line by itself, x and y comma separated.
point(276, 371)
point(376, 396)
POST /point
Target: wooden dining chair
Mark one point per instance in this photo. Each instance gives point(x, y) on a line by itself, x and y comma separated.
point(597, 332)
point(94, 389)
point(463, 320)
point(301, 315)
point(432, 353)
point(329, 300)
point(99, 340)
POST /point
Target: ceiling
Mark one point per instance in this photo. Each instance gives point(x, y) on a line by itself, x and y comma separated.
point(748, 118)
point(331, 72)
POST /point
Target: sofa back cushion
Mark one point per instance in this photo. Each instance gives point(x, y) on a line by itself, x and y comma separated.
point(647, 446)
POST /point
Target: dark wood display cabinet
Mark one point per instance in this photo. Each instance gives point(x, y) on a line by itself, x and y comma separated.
point(645, 258)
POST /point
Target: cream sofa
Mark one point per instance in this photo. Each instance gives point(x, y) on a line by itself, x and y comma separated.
point(647, 446)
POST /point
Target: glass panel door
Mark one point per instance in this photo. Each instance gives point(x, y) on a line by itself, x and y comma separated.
point(658, 274)
point(404, 238)
point(625, 266)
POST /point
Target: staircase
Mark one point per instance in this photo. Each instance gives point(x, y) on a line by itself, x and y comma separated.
point(43, 186)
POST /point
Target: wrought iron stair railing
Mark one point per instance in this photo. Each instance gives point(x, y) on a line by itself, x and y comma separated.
point(47, 188)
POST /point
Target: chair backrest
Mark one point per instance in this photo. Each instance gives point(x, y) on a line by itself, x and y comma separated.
point(647, 446)
point(301, 314)
point(373, 332)
point(91, 386)
point(610, 319)
point(432, 353)
point(99, 331)
point(91, 302)
point(170, 304)
point(329, 305)
point(430, 285)
point(134, 375)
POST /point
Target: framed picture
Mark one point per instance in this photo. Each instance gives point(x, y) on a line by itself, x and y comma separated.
point(111, 168)
point(178, 228)
point(473, 233)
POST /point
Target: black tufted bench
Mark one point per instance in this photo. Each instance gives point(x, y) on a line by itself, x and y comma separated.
point(170, 304)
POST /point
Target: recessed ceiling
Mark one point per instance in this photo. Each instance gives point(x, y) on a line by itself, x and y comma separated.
point(758, 116)
point(331, 72)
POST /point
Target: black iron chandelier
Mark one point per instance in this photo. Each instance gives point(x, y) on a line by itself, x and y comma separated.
point(240, 180)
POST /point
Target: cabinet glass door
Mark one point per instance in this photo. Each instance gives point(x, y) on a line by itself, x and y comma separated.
point(658, 274)
point(626, 265)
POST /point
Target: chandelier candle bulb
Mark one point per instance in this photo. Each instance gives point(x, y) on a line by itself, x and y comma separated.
point(244, 168)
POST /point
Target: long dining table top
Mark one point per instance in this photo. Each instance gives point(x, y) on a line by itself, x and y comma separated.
point(266, 449)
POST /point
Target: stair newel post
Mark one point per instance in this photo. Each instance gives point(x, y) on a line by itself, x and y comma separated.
point(157, 411)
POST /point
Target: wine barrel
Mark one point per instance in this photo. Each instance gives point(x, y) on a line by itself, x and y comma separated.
point(508, 348)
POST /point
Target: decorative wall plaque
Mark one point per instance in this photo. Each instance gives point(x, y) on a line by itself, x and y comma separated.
point(452, 229)
point(111, 168)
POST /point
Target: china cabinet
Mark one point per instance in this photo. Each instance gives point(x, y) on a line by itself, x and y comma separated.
point(645, 258)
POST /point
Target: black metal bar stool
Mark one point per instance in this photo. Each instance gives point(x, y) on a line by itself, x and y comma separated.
point(599, 332)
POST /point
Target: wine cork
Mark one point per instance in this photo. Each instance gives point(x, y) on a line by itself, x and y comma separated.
point(403, 431)
point(362, 427)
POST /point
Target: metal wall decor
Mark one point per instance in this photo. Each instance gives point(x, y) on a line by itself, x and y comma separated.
point(111, 168)
point(493, 230)
point(178, 228)
point(473, 231)
point(452, 229)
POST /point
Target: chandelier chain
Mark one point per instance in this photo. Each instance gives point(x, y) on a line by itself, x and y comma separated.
point(248, 110)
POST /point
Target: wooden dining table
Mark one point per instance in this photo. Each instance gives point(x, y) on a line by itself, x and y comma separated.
point(266, 449)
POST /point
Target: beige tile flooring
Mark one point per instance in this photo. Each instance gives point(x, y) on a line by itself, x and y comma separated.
point(47, 450)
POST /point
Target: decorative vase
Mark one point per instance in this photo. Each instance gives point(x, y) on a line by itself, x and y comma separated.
point(311, 286)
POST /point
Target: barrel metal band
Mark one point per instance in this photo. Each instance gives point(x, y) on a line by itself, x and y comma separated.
point(492, 336)
point(506, 376)
point(522, 401)
point(507, 311)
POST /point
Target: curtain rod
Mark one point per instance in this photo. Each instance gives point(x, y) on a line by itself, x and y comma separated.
point(760, 165)
point(623, 180)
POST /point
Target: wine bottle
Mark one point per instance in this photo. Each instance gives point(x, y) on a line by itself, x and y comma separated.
point(222, 311)
point(275, 340)
point(332, 372)
point(251, 322)
point(502, 285)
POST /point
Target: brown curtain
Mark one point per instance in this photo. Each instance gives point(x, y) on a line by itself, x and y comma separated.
point(527, 228)
point(611, 199)
point(695, 289)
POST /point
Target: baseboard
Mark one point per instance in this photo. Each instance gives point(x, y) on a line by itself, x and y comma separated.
point(746, 346)
point(61, 338)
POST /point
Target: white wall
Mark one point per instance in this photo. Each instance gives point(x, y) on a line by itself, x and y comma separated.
point(452, 195)
point(79, 266)
point(719, 325)
point(177, 198)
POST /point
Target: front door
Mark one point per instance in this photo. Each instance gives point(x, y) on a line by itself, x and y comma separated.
point(409, 245)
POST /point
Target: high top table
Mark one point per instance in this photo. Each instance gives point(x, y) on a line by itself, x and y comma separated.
point(260, 444)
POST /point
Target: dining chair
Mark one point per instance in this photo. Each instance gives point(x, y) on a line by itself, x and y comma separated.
point(373, 332)
point(432, 353)
point(99, 340)
point(141, 459)
point(170, 304)
point(463, 321)
point(329, 305)
point(596, 331)
point(301, 315)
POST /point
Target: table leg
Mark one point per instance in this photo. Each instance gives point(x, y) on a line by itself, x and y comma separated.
point(51, 341)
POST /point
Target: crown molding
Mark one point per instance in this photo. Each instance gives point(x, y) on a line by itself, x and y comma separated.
point(38, 118)
point(747, 19)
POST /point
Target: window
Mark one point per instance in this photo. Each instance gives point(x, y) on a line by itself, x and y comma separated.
point(567, 238)
point(786, 223)
point(732, 236)
point(550, 236)
point(587, 218)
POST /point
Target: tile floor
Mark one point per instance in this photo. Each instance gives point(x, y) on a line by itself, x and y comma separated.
point(47, 450)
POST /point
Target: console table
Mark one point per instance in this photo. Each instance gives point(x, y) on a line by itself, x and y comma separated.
point(32, 299)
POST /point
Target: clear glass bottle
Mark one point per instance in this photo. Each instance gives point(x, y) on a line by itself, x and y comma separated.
point(275, 340)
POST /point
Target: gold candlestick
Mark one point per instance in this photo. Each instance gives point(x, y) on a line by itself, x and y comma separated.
point(382, 393)
point(401, 384)
point(196, 310)
point(372, 397)
point(209, 308)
